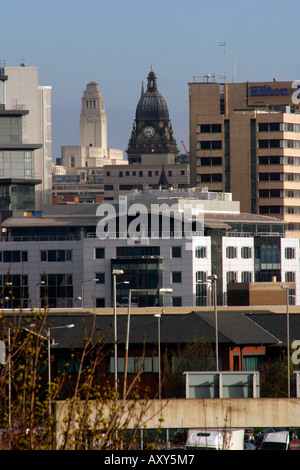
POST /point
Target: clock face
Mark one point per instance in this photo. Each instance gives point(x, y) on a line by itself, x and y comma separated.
point(90, 119)
point(149, 131)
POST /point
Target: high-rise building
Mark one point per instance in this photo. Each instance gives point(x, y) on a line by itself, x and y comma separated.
point(25, 141)
point(245, 139)
point(22, 92)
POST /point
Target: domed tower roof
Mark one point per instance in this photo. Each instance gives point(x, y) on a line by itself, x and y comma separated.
point(151, 104)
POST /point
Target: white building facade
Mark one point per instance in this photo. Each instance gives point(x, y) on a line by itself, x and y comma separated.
point(59, 259)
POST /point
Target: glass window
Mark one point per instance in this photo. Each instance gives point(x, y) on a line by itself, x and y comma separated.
point(246, 252)
point(101, 278)
point(176, 251)
point(99, 253)
point(200, 252)
point(289, 253)
point(231, 252)
point(246, 276)
point(176, 277)
point(231, 276)
point(177, 301)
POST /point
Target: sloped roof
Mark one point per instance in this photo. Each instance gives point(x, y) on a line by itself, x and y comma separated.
point(235, 328)
point(276, 324)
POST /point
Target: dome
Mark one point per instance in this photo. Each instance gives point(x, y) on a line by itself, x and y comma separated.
point(151, 104)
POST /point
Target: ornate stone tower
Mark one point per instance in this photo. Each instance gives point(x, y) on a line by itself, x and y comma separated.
point(152, 130)
point(93, 123)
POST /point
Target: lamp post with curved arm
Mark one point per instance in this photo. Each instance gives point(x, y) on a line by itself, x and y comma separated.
point(162, 290)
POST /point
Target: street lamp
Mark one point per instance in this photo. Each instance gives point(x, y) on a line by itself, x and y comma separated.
point(41, 283)
point(162, 290)
point(213, 279)
point(115, 273)
point(158, 316)
point(48, 336)
point(82, 285)
point(286, 288)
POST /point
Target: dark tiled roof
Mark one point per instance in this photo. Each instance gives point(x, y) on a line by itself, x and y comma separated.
point(276, 324)
point(234, 328)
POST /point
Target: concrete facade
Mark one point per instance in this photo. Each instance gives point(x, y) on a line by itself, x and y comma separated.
point(245, 139)
point(210, 413)
point(24, 92)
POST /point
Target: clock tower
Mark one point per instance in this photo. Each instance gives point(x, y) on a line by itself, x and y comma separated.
point(93, 123)
point(152, 133)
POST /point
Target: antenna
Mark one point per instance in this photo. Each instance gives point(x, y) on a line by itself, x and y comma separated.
point(22, 64)
point(223, 44)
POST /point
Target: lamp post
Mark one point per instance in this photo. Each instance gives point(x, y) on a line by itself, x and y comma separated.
point(213, 279)
point(41, 283)
point(82, 285)
point(48, 336)
point(158, 316)
point(286, 288)
point(115, 273)
point(162, 290)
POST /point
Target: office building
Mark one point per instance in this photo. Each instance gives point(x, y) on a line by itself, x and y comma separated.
point(245, 139)
point(65, 257)
point(18, 154)
point(23, 96)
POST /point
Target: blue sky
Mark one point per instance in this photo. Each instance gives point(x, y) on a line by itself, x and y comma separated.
point(114, 42)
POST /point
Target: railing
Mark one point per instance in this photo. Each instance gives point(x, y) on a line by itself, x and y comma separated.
point(254, 234)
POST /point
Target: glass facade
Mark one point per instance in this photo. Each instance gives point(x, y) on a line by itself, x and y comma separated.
point(142, 274)
point(17, 164)
point(10, 130)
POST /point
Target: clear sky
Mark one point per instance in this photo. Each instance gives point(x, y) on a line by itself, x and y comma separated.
point(114, 43)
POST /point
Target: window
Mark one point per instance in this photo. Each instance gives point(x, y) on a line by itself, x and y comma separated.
point(176, 251)
point(268, 143)
point(209, 145)
point(176, 277)
point(231, 252)
point(290, 276)
point(209, 128)
point(56, 290)
point(246, 276)
point(231, 276)
point(176, 301)
point(135, 364)
point(99, 253)
point(200, 252)
point(289, 253)
point(246, 252)
point(201, 288)
point(100, 302)
point(14, 256)
point(100, 277)
point(14, 291)
point(56, 255)
point(269, 126)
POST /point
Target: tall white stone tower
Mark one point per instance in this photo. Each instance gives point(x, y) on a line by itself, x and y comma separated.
point(93, 123)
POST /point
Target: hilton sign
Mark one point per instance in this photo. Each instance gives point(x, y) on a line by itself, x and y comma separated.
point(271, 93)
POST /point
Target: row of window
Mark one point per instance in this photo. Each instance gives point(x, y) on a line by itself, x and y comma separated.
point(275, 176)
point(265, 210)
point(262, 127)
point(231, 252)
point(209, 145)
point(277, 143)
point(141, 173)
point(16, 256)
point(246, 252)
